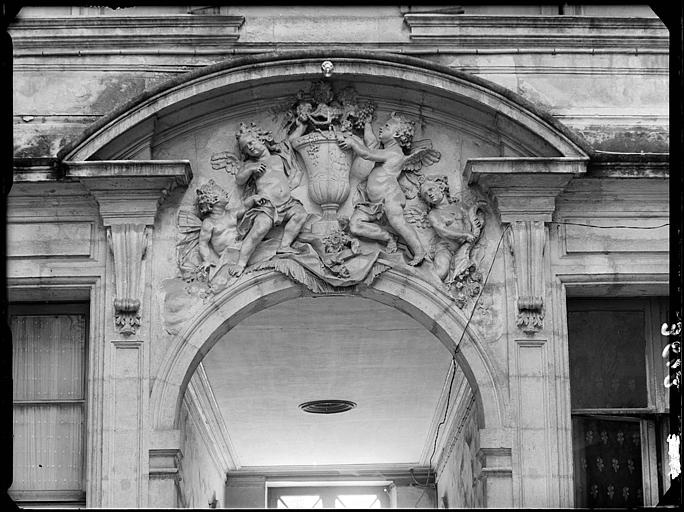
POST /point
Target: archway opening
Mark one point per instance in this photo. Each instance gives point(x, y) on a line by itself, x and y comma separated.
point(255, 376)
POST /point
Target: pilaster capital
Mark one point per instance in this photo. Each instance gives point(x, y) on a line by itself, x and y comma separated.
point(525, 190)
point(129, 193)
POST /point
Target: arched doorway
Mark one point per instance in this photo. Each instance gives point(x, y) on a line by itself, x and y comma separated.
point(335, 448)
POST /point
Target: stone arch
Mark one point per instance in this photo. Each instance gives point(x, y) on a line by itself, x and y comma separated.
point(500, 108)
point(260, 290)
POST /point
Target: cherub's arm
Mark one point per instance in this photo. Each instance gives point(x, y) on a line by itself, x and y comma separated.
point(363, 151)
point(448, 231)
point(369, 137)
point(241, 209)
point(247, 169)
point(298, 131)
point(204, 239)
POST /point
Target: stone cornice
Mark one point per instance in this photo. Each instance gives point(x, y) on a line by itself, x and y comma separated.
point(525, 188)
point(606, 165)
point(129, 191)
point(97, 32)
point(489, 31)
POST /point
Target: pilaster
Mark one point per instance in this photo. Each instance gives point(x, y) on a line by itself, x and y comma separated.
point(128, 194)
point(525, 191)
point(496, 476)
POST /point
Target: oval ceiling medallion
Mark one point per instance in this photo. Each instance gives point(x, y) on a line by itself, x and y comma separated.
point(327, 406)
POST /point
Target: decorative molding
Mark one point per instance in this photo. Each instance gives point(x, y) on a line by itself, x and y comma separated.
point(648, 166)
point(128, 194)
point(526, 191)
point(161, 33)
point(460, 390)
point(165, 463)
point(465, 407)
point(495, 462)
point(203, 409)
point(399, 474)
point(509, 31)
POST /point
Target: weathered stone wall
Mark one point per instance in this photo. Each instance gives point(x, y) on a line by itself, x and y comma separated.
point(606, 78)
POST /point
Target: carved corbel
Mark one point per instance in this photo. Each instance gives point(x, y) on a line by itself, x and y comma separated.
point(128, 243)
point(525, 189)
point(128, 193)
point(527, 240)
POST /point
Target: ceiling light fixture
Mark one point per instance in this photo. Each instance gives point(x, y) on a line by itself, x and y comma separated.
point(327, 406)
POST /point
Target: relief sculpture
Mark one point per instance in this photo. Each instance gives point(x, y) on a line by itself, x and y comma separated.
point(259, 224)
point(389, 151)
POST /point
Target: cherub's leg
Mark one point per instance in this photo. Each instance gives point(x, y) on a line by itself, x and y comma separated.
point(395, 217)
point(360, 224)
point(442, 262)
point(292, 229)
point(261, 226)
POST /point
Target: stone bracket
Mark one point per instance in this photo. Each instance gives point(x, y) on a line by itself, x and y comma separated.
point(525, 190)
point(128, 243)
point(129, 193)
point(527, 240)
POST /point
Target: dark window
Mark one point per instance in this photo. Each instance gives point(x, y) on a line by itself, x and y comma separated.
point(619, 414)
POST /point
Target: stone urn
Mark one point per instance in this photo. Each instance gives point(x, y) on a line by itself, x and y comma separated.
point(328, 167)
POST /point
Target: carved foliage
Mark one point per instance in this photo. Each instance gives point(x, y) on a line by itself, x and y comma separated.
point(128, 243)
point(527, 241)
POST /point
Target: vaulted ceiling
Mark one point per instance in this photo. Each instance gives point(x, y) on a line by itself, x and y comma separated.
point(347, 348)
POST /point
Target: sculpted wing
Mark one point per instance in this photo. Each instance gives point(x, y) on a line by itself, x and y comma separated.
point(422, 155)
point(225, 160)
point(476, 216)
point(417, 216)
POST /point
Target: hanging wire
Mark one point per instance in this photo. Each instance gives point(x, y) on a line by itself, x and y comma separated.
point(617, 226)
point(453, 363)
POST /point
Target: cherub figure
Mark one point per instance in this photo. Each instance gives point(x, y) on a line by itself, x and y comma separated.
point(385, 196)
point(211, 240)
point(457, 229)
point(218, 235)
point(271, 169)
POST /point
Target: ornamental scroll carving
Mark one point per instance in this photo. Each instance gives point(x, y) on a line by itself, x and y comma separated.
point(400, 216)
point(527, 242)
point(128, 243)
